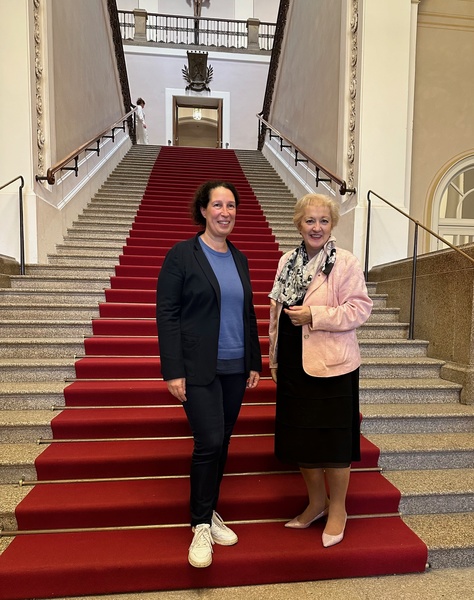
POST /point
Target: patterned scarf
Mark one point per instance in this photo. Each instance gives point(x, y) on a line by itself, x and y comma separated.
point(298, 272)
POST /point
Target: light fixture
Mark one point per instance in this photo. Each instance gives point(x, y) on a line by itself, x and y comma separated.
point(197, 114)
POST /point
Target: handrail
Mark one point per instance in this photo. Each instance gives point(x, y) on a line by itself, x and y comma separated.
point(74, 156)
point(333, 178)
point(415, 252)
point(22, 234)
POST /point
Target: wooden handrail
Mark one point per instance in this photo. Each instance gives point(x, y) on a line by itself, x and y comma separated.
point(343, 189)
point(61, 165)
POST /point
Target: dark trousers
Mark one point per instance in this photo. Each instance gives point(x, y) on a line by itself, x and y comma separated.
point(212, 411)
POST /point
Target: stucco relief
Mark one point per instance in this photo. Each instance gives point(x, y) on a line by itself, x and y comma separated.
point(351, 148)
point(40, 139)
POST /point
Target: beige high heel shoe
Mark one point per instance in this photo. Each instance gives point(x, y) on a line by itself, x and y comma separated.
point(332, 540)
point(297, 524)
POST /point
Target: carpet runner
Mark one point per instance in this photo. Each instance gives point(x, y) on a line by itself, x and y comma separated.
point(110, 512)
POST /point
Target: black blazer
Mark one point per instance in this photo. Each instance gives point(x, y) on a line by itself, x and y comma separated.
point(188, 314)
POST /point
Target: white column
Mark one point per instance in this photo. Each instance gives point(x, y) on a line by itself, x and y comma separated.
point(386, 57)
point(16, 106)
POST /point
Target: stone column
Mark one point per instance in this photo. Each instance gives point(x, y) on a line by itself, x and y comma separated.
point(252, 34)
point(141, 17)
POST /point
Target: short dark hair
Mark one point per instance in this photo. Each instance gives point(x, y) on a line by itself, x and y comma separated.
point(203, 195)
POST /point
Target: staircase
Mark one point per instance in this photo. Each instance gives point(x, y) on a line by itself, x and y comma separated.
point(55, 327)
point(273, 196)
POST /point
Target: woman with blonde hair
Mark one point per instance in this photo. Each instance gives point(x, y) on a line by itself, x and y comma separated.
point(319, 299)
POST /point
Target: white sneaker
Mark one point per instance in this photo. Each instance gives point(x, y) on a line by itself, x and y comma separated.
point(200, 550)
point(221, 534)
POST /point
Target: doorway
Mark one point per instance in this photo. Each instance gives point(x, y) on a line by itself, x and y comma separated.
point(197, 122)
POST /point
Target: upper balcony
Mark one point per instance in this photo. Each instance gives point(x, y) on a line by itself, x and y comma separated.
point(251, 36)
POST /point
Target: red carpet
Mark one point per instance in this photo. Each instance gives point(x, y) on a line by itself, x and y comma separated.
point(121, 424)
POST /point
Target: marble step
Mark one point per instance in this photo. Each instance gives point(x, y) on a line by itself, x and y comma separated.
point(44, 297)
point(24, 395)
point(53, 283)
point(17, 462)
point(434, 491)
point(410, 391)
point(403, 368)
point(25, 426)
point(409, 451)
point(417, 418)
point(45, 328)
point(41, 347)
point(36, 369)
point(53, 311)
point(105, 260)
point(61, 270)
point(449, 537)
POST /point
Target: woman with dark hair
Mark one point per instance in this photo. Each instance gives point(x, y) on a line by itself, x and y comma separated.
point(209, 350)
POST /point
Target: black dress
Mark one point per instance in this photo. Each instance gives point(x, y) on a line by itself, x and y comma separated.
point(317, 418)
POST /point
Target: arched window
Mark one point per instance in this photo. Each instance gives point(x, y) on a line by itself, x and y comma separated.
point(453, 208)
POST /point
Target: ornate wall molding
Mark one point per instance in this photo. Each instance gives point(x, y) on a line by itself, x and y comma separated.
point(351, 148)
point(39, 86)
point(273, 67)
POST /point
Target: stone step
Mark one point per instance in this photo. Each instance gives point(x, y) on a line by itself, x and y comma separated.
point(10, 496)
point(407, 451)
point(99, 226)
point(102, 267)
point(393, 348)
point(449, 537)
point(24, 395)
point(37, 296)
point(60, 283)
point(435, 491)
point(403, 368)
point(36, 369)
point(17, 462)
point(417, 418)
point(41, 347)
point(76, 246)
point(105, 236)
point(45, 328)
point(105, 259)
point(26, 426)
point(410, 391)
point(51, 311)
point(372, 330)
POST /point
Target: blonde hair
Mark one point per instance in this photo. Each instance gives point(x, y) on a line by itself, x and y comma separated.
point(315, 200)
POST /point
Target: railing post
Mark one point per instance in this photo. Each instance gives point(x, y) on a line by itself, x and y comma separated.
point(252, 34)
point(141, 17)
point(367, 237)
point(22, 231)
point(411, 329)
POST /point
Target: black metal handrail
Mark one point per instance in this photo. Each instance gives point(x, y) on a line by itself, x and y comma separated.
point(74, 156)
point(22, 232)
point(411, 328)
point(330, 176)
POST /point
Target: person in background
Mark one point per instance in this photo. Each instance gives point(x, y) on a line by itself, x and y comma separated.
point(209, 348)
point(319, 299)
point(142, 133)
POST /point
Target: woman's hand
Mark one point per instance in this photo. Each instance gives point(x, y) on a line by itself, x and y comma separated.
point(273, 371)
point(254, 378)
point(177, 387)
point(299, 315)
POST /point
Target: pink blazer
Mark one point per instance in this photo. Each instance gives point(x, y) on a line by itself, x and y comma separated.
point(339, 304)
